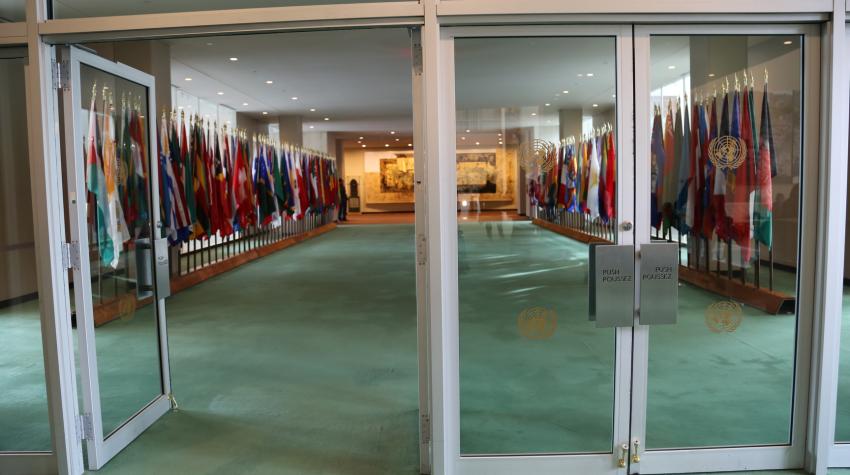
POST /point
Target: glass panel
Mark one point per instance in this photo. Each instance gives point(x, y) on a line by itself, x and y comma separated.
point(533, 136)
point(119, 228)
point(24, 423)
point(13, 10)
point(87, 8)
point(726, 148)
point(842, 421)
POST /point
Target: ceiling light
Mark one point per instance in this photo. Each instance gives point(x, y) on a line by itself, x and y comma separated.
point(477, 143)
point(179, 107)
point(711, 75)
point(234, 58)
point(359, 141)
point(580, 75)
point(361, 138)
point(209, 44)
point(392, 132)
point(312, 109)
point(565, 92)
point(595, 105)
point(265, 113)
point(244, 103)
point(397, 140)
point(547, 104)
point(590, 75)
point(327, 118)
point(220, 93)
point(672, 66)
point(311, 126)
point(534, 113)
point(467, 131)
point(364, 145)
point(613, 95)
point(788, 42)
point(294, 98)
point(463, 138)
point(187, 79)
point(410, 145)
point(269, 82)
point(499, 134)
point(386, 145)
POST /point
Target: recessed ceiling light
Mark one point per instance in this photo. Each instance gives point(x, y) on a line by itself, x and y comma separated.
point(392, 132)
point(547, 104)
point(359, 141)
point(361, 138)
point(410, 145)
point(580, 75)
point(711, 75)
point(220, 93)
point(499, 134)
point(397, 140)
point(269, 82)
point(187, 79)
point(463, 138)
point(265, 113)
point(312, 109)
point(294, 98)
point(613, 95)
point(590, 75)
point(534, 113)
point(788, 42)
point(228, 122)
point(244, 103)
point(467, 131)
point(234, 58)
point(386, 145)
point(209, 44)
point(311, 126)
point(327, 118)
point(595, 105)
point(477, 143)
point(672, 66)
point(565, 92)
point(179, 107)
point(364, 145)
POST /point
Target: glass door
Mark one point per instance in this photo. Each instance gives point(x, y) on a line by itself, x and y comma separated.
point(726, 173)
point(120, 277)
point(541, 163)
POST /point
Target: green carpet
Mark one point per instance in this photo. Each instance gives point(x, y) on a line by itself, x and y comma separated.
point(304, 362)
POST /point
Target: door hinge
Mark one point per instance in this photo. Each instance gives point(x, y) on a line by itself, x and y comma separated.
point(71, 255)
point(425, 427)
point(417, 58)
point(421, 249)
point(60, 75)
point(85, 427)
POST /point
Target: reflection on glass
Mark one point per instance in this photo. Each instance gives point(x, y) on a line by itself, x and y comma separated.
point(535, 120)
point(86, 9)
point(842, 421)
point(725, 148)
point(24, 424)
point(114, 120)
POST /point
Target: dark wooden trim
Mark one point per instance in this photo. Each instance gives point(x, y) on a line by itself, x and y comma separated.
point(570, 233)
point(769, 301)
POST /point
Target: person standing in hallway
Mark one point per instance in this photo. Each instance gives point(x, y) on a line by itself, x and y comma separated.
point(343, 202)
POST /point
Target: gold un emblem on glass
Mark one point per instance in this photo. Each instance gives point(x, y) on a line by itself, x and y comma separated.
point(724, 316)
point(727, 152)
point(537, 323)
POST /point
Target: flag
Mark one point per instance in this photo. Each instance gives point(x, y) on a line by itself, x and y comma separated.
point(721, 174)
point(199, 183)
point(765, 171)
point(187, 167)
point(657, 164)
point(224, 213)
point(593, 182)
point(741, 183)
point(96, 185)
point(610, 177)
point(668, 174)
point(117, 230)
point(708, 125)
point(685, 169)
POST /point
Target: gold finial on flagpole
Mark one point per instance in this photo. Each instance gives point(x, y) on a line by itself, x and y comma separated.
point(746, 82)
point(765, 75)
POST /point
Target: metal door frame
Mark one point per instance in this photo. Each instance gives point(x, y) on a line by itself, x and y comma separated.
point(102, 447)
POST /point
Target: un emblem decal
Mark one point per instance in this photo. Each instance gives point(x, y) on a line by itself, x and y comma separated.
point(537, 323)
point(127, 307)
point(727, 152)
point(538, 153)
point(724, 316)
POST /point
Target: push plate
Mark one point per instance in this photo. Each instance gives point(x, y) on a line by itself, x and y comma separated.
point(163, 276)
point(659, 283)
point(613, 282)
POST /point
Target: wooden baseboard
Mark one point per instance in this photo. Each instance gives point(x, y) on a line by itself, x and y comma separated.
point(570, 233)
point(125, 305)
point(767, 300)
